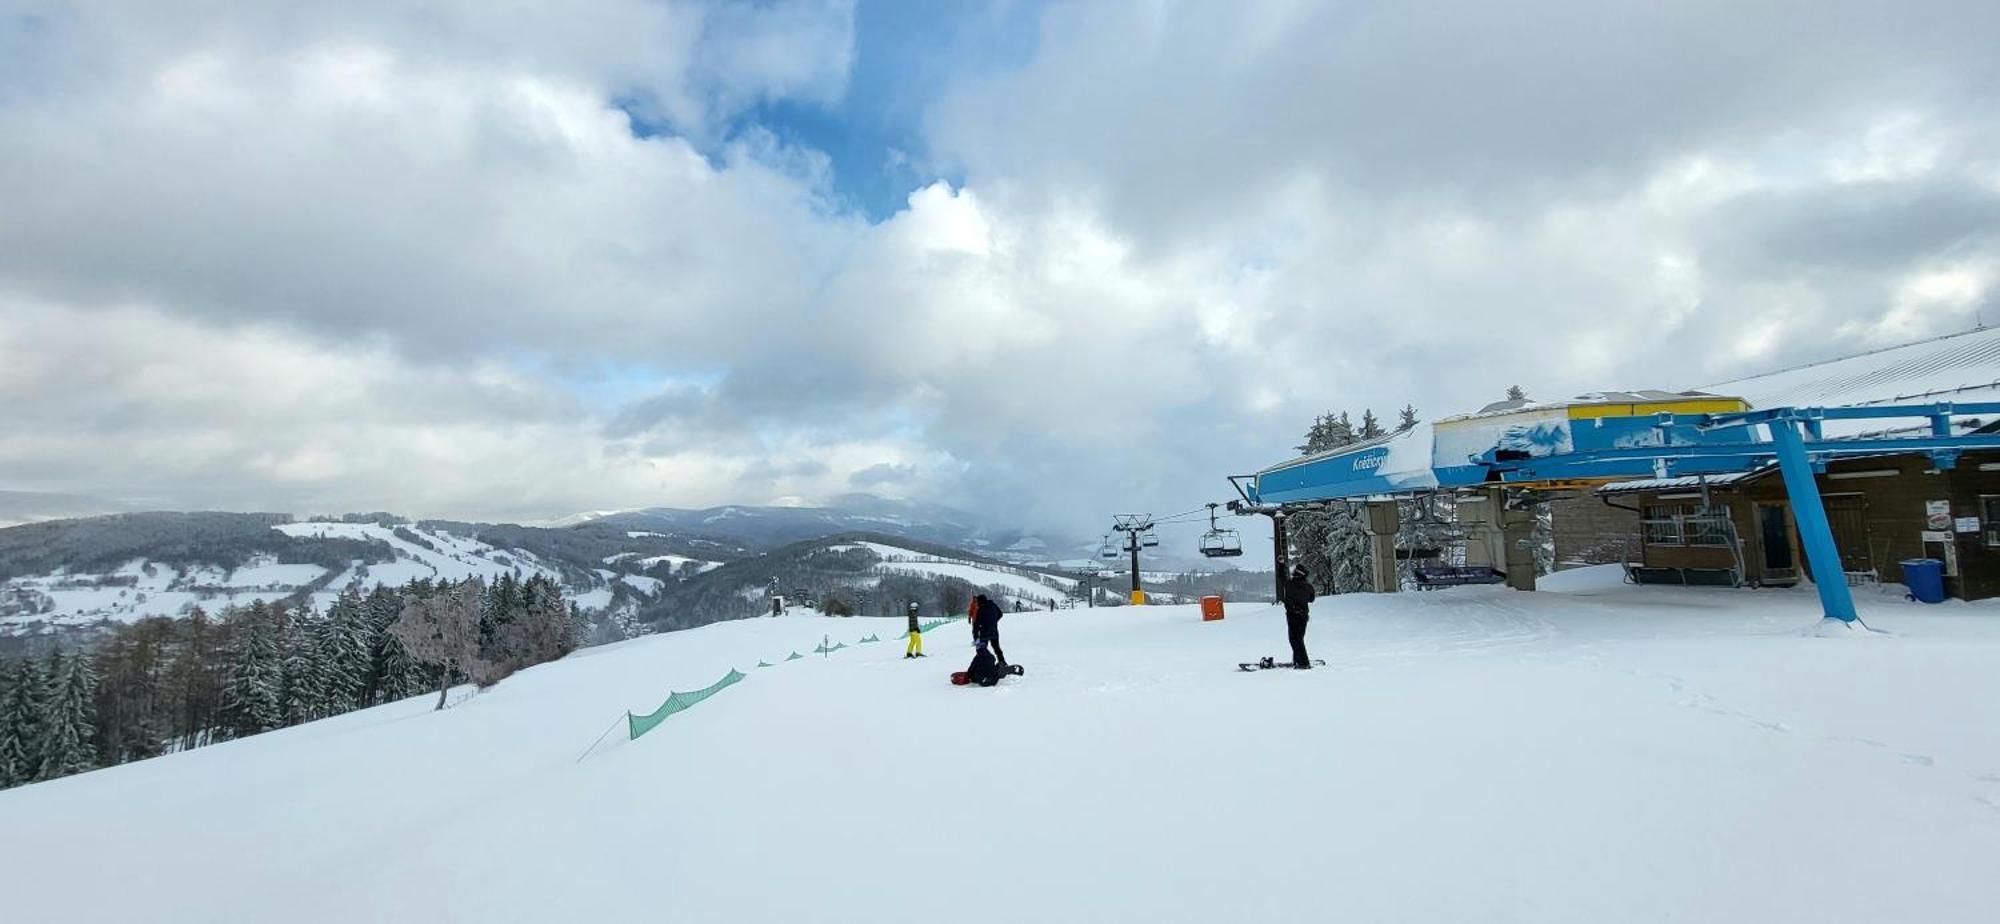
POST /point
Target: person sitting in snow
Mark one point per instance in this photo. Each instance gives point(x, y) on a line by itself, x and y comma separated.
point(1298, 602)
point(916, 647)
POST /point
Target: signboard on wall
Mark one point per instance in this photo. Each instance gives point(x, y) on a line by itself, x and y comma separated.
point(1936, 535)
point(1967, 524)
point(1937, 514)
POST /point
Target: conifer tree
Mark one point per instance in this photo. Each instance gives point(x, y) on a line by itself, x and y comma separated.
point(20, 713)
point(344, 653)
point(251, 675)
point(1407, 418)
point(65, 726)
point(1514, 393)
point(1370, 427)
point(302, 690)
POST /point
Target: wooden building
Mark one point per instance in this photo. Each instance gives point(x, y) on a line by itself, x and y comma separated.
point(1737, 529)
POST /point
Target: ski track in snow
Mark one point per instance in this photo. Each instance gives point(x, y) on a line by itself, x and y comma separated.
point(1597, 753)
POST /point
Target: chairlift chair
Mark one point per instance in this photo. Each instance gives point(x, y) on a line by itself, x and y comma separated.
point(1219, 542)
point(1149, 539)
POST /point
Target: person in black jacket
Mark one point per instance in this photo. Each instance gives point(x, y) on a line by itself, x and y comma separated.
point(986, 626)
point(1298, 603)
point(916, 647)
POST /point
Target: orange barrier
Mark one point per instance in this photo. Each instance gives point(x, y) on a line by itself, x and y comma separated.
point(1211, 609)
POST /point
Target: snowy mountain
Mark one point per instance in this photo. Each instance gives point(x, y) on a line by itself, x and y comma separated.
point(1591, 752)
point(68, 575)
point(770, 526)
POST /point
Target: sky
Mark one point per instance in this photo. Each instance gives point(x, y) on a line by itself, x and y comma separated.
point(1042, 261)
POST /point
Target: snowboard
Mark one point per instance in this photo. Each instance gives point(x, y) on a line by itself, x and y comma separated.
point(1269, 663)
point(961, 678)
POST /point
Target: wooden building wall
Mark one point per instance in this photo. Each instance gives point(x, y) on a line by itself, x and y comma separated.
point(1879, 510)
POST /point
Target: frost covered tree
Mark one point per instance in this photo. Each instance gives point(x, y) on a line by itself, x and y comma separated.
point(344, 656)
point(21, 691)
point(65, 725)
point(1331, 542)
point(252, 675)
point(392, 674)
point(301, 676)
point(442, 629)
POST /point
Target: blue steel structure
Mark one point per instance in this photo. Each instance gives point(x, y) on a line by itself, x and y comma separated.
point(1650, 446)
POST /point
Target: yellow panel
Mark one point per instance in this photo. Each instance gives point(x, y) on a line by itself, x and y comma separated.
point(1689, 406)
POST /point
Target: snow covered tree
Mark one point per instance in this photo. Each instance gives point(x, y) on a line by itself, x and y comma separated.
point(252, 675)
point(65, 724)
point(21, 691)
point(1514, 393)
point(442, 629)
point(392, 674)
point(301, 683)
point(344, 656)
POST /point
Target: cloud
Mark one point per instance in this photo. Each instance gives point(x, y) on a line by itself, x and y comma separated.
point(513, 261)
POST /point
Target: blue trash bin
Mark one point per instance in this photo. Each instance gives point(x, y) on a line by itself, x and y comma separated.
point(1925, 579)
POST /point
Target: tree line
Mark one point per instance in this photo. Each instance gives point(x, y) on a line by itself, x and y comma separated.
point(168, 684)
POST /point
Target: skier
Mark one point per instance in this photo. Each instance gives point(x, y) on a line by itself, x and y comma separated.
point(986, 626)
point(1298, 599)
point(916, 646)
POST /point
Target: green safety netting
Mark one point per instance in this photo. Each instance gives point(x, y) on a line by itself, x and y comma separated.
point(641, 724)
point(866, 639)
point(822, 649)
point(795, 656)
point(763, 664)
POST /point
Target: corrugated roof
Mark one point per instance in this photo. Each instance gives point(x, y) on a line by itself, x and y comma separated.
point(1690, 482)
point(1957, 367)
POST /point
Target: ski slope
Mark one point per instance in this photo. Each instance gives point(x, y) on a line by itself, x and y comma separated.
point(1014, 585)
point(1599, 753)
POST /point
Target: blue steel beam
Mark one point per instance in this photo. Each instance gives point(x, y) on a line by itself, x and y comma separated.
point(1829, 578)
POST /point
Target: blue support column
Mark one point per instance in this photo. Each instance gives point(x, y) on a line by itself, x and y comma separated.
point(1828, 576)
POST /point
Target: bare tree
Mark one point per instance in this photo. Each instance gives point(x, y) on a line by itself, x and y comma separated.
point(442, 628)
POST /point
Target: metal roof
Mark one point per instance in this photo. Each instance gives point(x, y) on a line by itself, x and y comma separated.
point(1689, 482)
point(1956, 367)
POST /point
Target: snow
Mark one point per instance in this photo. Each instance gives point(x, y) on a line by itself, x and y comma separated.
point(642, 583)
point(1017, 584)
point(65, 599)
point(1600, 753)
point(677, 561)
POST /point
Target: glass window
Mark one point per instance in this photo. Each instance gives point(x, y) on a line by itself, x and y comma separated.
point(1989, 521)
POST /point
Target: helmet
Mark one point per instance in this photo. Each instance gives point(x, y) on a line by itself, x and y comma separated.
point(913, 604)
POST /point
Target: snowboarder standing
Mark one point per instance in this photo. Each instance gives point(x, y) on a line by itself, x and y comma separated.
point(986, 626)
point(1298, 601)
point(916, 647)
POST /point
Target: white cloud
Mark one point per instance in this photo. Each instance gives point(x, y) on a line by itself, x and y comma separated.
point(379, 255)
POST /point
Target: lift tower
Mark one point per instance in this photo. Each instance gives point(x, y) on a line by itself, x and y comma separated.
point(1138, 530)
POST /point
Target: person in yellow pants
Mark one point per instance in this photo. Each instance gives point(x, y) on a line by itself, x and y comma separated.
point(916, 646)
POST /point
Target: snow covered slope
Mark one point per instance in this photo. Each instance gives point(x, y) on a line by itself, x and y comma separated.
point(1607, 753)
point(141, 587)
point(1015, 584)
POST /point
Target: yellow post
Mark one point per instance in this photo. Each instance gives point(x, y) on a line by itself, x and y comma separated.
point(1138, 598)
